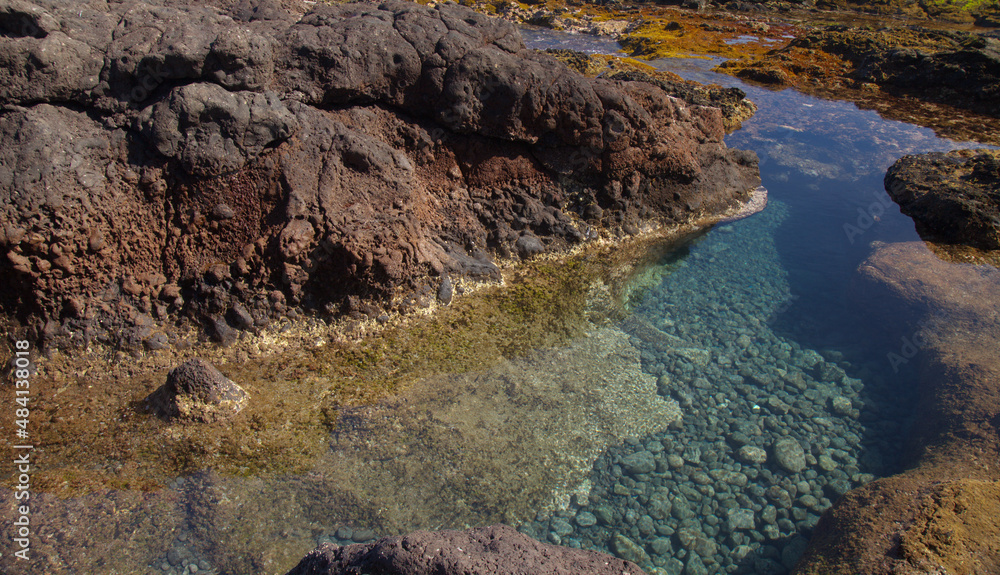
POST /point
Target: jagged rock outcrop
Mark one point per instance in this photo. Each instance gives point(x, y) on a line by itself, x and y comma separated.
point(494, 550)
point(953, 197)
point(167, 159)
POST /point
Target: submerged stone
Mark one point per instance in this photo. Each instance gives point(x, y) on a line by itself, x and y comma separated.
point(639, 462)
point(752, 454)
point(586, 519)
point(197, 391)
point(740, 519)
point(790, 455)
point(628, 550)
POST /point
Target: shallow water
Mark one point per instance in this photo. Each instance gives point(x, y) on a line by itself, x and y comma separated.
point(751, 333)
point(784, 345)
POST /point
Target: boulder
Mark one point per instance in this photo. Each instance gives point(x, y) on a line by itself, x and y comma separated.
point(953, 197)
point(494, 550)
point(197, 391)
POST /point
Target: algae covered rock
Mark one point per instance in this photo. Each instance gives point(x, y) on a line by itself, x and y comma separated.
point(197, 391)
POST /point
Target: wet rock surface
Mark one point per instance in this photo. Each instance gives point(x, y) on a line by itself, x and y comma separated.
point(946, 79)
point(355, 150)
point(953, 197)
point(497, 549)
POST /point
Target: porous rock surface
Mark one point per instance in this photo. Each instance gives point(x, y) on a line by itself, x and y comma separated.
point(173, 159)
point(494, 550)
point(197, 391)
point(953, 197)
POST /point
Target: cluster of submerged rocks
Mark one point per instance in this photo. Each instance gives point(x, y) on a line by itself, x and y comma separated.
point(237, 163)
point(773, 433)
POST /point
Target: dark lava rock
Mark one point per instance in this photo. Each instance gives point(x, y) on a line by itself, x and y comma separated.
point(528, 246)
point(240, 317)
point(196, 391)
point(446, 291)
point(494, 550)
point(220, 332)
point(960, 69)
point(731, 101)
point(966, 75)
point(353, 149)
point(953, 197)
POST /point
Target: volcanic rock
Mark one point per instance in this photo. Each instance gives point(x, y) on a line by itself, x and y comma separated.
point(197, 391)
point(358, 149)
point(494, 550)
point(953, 197)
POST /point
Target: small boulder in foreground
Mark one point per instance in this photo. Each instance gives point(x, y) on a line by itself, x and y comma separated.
point(494, 550)
point(197, 391)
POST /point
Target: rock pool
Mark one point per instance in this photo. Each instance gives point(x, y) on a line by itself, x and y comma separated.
point(705, 430)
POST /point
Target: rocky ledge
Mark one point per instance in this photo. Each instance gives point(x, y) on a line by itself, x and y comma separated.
point(941, 515)
point(237, 163)
point(494, 550)
point(948, 80)
point(953, 197)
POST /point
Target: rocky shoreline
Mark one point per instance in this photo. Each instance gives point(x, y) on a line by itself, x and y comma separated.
point(232, 172)
point(234, 166)
point(913, 62)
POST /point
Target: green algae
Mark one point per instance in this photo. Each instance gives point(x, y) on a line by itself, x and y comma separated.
point(95, 431)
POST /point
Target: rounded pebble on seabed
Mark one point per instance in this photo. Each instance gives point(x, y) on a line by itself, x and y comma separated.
point(789, 455)
point(752, 454)
point(586, 519)
point(561, 527)
point(344, 533)
point(362, 535)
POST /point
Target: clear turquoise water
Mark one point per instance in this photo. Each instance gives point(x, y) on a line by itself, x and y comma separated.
point(754, 328)
point(772, 301)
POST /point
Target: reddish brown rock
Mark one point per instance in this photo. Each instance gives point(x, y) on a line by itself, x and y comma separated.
point(942, 514)
point(494, 550)
point(361, 149)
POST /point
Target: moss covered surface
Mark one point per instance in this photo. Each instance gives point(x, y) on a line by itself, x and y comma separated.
point(93, 430)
